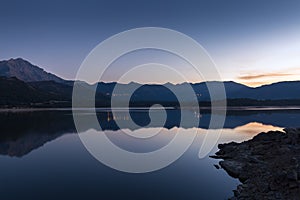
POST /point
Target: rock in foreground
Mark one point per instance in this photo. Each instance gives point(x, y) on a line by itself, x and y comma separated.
point(267, 165)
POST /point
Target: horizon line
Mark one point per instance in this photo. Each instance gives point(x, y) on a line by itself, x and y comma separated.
point(179, 83)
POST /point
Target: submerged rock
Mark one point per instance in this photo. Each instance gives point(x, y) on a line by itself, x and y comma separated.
point(267, 165)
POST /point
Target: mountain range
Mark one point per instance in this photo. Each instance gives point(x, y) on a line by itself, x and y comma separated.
point(23, 84)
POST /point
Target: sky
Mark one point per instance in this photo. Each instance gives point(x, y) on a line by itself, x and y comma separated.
point(252, 42)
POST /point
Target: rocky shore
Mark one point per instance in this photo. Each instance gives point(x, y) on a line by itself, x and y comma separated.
point(268, 165)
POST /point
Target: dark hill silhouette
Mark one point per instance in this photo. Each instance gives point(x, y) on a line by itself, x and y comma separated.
point(16, 92)
point(276, 91)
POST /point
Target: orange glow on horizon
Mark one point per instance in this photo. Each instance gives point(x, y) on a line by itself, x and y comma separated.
point(258, 83)
point(254, 128)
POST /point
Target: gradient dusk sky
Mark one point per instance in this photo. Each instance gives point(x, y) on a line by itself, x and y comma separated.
point(253, 42)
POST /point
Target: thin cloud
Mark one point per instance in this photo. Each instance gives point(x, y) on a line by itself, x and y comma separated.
point(295, 69)
point(266, 75)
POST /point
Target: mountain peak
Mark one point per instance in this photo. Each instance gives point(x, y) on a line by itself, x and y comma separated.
point(17, 59)
point(25, 71)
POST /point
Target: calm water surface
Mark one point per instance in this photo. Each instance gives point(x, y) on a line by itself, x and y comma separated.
point(42, 157)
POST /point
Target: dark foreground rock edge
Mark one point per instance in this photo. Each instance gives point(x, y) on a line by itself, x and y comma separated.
point(268, 165)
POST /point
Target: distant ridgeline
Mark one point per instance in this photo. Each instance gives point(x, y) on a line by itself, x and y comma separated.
point(25, 85)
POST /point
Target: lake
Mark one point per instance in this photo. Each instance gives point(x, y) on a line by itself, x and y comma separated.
point(42, 156)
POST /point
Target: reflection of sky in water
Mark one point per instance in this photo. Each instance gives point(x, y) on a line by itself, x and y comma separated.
point(163, 136)
point(55, 165)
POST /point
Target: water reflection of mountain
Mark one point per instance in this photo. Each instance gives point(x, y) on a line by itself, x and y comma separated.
point(22, 132)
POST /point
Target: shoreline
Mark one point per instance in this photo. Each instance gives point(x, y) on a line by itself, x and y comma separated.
point(228, 108)
point(268, 166)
